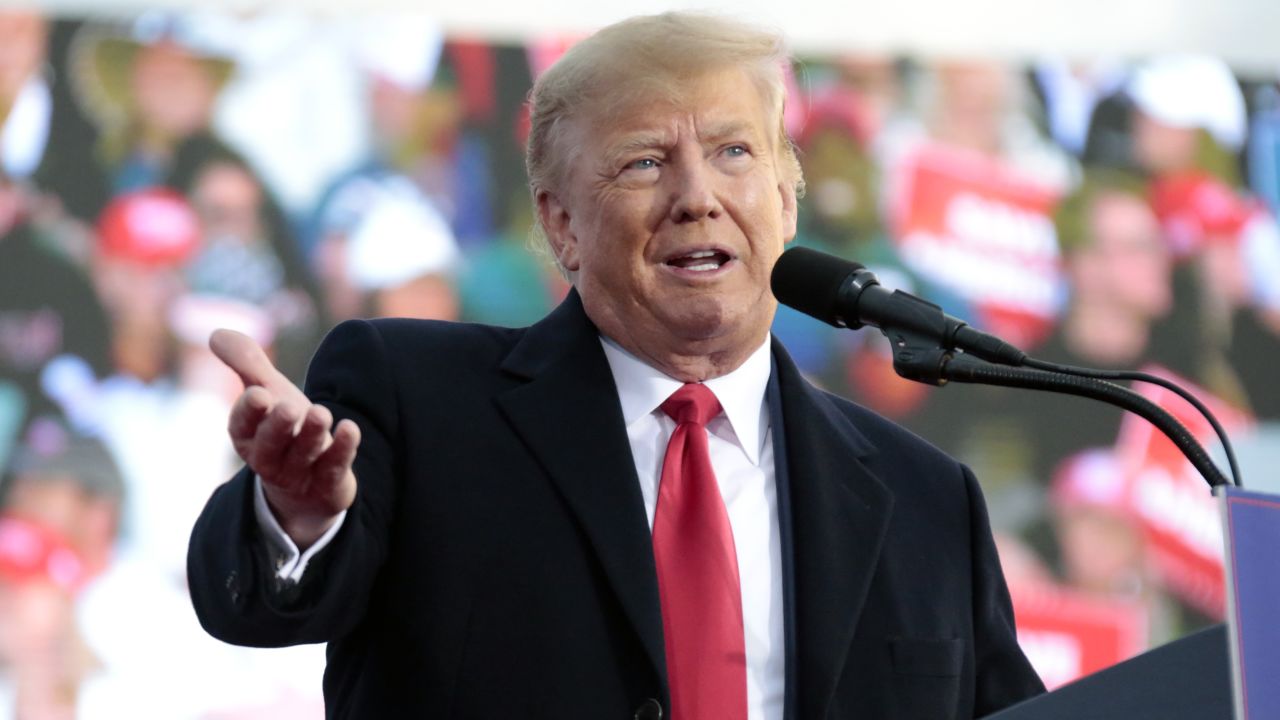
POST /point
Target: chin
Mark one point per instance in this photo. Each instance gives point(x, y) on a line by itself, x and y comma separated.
point(709, 319)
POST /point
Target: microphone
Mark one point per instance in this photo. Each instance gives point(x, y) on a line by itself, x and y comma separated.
point(844, 293)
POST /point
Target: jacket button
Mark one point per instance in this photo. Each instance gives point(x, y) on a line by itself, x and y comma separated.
point(233, 587)
point(649, 710)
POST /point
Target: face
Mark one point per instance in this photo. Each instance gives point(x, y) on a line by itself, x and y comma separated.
point(1133, 261)
point(173, 90)
point(1101, 551)
point(22, 49)
point(228, 200)
point(671, 218)
point(1162, 148)
point(430, 297)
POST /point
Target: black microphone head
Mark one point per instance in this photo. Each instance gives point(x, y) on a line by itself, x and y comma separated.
point(810, 282)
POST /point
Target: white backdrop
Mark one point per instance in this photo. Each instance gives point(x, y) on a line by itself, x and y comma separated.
point(1244, 32)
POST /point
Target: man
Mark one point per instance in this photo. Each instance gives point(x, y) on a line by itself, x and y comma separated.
point(492, 530)
point(1118, 271)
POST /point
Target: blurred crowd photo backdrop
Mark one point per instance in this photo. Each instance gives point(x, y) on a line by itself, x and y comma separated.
point(166, 173)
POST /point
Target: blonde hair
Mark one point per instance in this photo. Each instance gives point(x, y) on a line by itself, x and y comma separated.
point(644, 57)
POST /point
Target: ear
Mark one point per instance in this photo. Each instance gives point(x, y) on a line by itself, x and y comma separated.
point(555, 220)
point(787, 191)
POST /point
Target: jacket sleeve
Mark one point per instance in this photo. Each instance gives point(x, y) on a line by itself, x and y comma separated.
point(231, 574)
point(1004, 675)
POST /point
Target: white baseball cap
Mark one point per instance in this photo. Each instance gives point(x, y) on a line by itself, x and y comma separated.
point(1192, 91)
point(400, 237)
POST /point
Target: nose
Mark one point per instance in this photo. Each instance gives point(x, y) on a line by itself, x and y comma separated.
point(693, 192)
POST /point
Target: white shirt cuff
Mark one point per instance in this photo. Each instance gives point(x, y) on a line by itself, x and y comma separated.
point(289, 561)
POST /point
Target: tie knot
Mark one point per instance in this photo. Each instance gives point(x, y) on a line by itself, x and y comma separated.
point(692, 403)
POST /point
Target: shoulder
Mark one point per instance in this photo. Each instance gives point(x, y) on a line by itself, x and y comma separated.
point(416, 342)
point(364, 355)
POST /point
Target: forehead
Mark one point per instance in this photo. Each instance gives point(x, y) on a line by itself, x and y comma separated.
point(716, 102)
point(1121, 215)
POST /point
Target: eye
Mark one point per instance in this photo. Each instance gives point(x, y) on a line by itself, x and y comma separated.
point(737, 150)
point(646, 163)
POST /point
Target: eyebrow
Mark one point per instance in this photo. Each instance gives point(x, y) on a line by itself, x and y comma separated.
point(729, 128)
point(714, 134)
point(634, 144)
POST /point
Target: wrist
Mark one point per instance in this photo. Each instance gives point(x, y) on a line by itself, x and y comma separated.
point(303, 528)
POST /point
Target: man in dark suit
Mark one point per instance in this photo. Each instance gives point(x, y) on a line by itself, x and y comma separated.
point(502, 523)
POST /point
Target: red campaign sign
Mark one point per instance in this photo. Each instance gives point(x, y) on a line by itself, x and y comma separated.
point(1171, 501)
point(1067, 634)
point(979, 228)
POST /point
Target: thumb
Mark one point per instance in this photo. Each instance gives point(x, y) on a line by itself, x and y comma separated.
point(247, 359)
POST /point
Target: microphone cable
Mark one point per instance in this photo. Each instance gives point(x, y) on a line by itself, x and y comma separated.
point(1134, 375)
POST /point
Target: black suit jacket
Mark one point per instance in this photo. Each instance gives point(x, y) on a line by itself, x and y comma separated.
point(497, 560)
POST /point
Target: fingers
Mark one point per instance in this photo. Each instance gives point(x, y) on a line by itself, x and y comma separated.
point(313, 438)
point(249, 410)
point(334, 464)
point(273, 440)
point(296, 452)
point(247, 359)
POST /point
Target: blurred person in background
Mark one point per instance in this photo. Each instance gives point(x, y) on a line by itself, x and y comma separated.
point(168, 441)
point(981, 107)
point(403, 259)
point(144, 240)
point(842, 214)
point(507, 280)
point(1101, 543)
point(48, 307)
point(295, 105)
point(149, 87)
point(396, 59)
point(1075, 97)
point(1117, 268)
point(44, 137)
point(41, 666)
point(386, 251)
point(1103, 547)
point(248, 249)
point(25, 100)
point(1118, 272)
point(969, 189)
point(1188, 124)
point(59, 519)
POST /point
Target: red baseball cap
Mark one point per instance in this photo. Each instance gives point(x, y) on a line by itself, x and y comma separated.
point(152, 227)
point(31, 551)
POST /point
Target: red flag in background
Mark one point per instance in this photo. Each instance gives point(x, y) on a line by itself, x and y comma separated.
point(1068, 634)
point(1171, 501)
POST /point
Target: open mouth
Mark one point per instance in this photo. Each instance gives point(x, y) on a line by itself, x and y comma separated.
point(700, 260)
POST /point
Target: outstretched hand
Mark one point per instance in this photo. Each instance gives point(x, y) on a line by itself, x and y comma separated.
point(286, 439)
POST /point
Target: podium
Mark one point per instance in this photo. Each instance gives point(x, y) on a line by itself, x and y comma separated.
point(1226, 672)
point(1188, 679)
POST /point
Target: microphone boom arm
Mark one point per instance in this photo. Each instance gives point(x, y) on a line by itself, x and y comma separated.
point(922, 362)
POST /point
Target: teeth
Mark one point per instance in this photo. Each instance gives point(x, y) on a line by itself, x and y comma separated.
point(703, 267)
point(701, 254)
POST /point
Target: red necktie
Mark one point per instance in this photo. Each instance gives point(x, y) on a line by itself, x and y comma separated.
point(698, 571)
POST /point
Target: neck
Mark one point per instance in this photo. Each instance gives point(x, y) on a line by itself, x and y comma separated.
point(691, 364)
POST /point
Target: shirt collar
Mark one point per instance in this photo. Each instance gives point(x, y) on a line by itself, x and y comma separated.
point(642, 389)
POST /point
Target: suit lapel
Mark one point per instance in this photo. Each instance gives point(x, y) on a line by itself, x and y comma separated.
point(839, 515)
point(569, 416)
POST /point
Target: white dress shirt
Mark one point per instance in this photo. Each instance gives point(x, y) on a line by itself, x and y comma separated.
point(740, 442)
point(741, 445)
